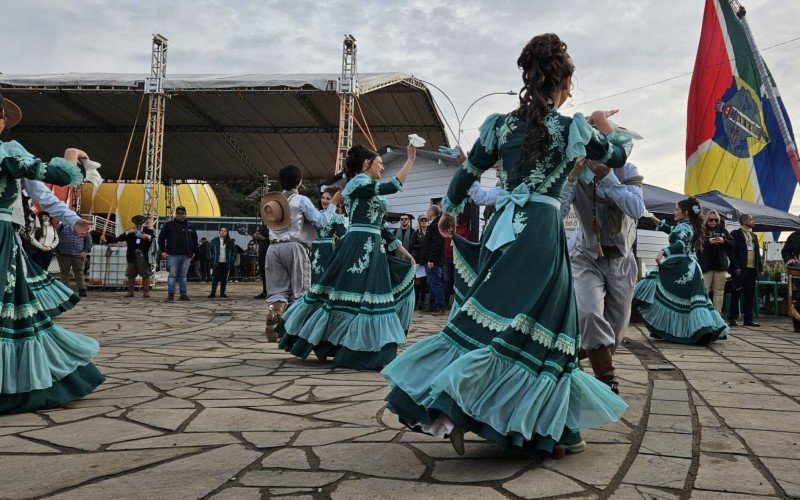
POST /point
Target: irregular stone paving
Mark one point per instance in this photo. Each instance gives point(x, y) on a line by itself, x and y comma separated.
point(198, 405)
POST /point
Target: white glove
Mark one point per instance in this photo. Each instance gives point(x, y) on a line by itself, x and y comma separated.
point(416, 140)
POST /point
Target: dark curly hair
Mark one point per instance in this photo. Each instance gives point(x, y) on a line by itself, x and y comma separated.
point(691, 206)
point(545, 65)
point(355, 160)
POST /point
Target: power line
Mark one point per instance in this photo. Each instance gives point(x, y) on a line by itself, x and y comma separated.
point(635, 89)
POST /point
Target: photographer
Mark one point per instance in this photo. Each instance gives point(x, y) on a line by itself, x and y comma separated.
point(139, 240)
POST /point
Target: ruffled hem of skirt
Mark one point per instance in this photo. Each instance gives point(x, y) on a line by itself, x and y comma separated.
point(34, 363)
point(76, 385)
point(516, 405)
point(340, 355)
point(358, 332)
point(700, 326)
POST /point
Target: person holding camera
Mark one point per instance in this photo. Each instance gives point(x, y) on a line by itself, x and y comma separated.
point(139, 239)
point(715, 259)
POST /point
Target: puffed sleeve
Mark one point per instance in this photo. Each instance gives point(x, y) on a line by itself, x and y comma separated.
point(584, 140)
point(682, 240)
point(482, 157)
point(17, 163)
point(362, 186)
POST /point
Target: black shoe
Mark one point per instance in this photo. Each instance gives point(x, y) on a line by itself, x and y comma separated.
point(261, 296)
point(223, 296)
point(212, 295)
point(82, 292)
point(751, 323)
point(184, 298)
point(733, 323)
point(170, 297)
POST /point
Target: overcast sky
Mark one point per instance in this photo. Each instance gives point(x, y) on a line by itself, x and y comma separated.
point(466, 48)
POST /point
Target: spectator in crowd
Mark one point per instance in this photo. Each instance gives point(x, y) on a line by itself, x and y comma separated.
point(746, 265)
point(44, 240)
point(178, 244)
point(715, 258)
point(221, 256)
point(138, 239)
point(421, 280)
point(262, 240)
point(404, 232)
point(432, 254)
point(71, 253)
point(201, 261)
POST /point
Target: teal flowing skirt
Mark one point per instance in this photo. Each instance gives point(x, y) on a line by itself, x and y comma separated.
point(675, 306)
point(321, 255)
point(505, 365)
point(358, 312)
point(42, 365)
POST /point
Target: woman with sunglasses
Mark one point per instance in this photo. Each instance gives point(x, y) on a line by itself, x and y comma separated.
point(715, 258)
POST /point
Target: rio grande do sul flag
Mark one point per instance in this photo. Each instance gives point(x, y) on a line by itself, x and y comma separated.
point(733, 141)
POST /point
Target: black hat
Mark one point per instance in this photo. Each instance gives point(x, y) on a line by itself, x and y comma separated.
point(138, 220)
point(180, 208)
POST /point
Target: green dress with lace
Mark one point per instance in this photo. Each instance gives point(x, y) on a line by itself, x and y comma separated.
point(42, 365)
point(360, 308)
point(323, 247)
point(505, 365)
point(672, 299)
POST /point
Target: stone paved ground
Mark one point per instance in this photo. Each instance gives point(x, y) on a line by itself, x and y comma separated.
point(197, 404)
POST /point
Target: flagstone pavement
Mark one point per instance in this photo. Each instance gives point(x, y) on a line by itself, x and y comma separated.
point(198, 405)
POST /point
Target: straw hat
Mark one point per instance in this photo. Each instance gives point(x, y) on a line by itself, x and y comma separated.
point(275, 212)
point(12, 112)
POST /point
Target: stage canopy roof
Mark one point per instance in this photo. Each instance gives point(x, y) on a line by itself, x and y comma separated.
point(217, 127)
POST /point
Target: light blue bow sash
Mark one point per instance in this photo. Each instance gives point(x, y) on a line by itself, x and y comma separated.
point(503, 230)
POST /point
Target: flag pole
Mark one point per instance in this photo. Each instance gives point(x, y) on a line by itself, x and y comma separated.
point(770, 89)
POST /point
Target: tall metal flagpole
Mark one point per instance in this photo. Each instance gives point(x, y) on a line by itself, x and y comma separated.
point(770, 89)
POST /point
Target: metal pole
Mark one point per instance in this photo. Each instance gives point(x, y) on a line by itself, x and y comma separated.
point(346, 88)
point(769, 89)
point(154, 85)
point(464, 116)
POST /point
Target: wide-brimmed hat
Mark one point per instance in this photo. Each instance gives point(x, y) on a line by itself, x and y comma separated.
point(138, 220)
point(12, 112)
point(275, 212)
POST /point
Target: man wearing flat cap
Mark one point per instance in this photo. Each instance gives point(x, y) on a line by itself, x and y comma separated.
point(139, 239)
point(291, 219)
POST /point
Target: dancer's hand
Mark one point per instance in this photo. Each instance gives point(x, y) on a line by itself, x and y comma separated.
point(660, 257)
point(655, 219)
point(82, 227)
point(599, 170)
point(337, 198)
point(576, 169)
point(411, 153)
point(461, 158)
point(599, 115)
point(446, 225)
point(75, 155)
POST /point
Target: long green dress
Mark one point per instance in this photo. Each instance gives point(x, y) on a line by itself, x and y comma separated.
point(353, 313)
point(505, 365)
point(323, 247)
point(672, 299)
point(42, 365)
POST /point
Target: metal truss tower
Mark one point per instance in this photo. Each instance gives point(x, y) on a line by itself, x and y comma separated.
point(347, 88)
point(154, 86)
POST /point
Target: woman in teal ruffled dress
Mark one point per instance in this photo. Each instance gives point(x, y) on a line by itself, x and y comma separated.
point(323, 247)
point(672, 299)
point(505, 366)
point(42, 365)
point(359, 310)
